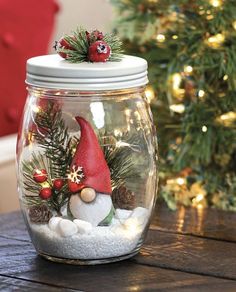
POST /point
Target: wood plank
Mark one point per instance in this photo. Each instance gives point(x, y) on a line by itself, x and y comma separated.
point(210, 223)
point(12, 284)
point(12, 225)
point(19, 260)
point(189, 254)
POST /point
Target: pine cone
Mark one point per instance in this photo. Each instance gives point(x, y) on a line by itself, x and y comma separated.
point(40, 214)
point(123, 198)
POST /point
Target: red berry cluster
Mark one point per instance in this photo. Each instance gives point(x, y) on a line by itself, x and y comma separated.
point(41, 176)
point(98, 49)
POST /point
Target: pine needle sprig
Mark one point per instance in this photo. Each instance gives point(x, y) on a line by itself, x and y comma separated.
point(55, 142)
point(116, 47)
point(119, 160)
point(53, 138)
point(79, 42)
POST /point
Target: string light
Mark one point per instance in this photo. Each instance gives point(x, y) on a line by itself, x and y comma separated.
point(160, 38)
point(150, 94)
point(227, 119)
point(175, 37)
point(201, 93)
point(210, 17)
point(176, 80)
point(216, 41)
point(188, 69)
point(35, 108)
point(127, 112)
point(226, 77)
point(181, 181)
point(177, 108)
point(234, 24)
point(117, 132)
point(204, 129)
point(216, 3)
point(175, 85)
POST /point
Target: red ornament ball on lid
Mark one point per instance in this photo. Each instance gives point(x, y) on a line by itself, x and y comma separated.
point(99, 51)
point(62, 43)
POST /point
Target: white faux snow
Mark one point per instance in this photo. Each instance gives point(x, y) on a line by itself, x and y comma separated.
point(101, 242)
point(83, 226)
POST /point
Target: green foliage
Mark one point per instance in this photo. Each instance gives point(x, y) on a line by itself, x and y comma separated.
point(53, 138)
point(80, 43)
point(202, 36)
point(119, 160)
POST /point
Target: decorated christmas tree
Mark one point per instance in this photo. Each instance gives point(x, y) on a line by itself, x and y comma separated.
point(191, 50)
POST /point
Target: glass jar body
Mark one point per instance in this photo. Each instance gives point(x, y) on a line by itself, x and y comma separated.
point(59, 148)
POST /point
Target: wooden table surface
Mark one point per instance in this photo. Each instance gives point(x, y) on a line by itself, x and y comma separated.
point(186, 250)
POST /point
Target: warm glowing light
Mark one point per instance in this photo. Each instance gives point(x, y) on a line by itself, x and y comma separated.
point(228, 116)
point(227, 119)
point(174, 37)
point(176, 81)
point(201, 93)
point(132, 226)
point(226, 77)
point(180, 181)
point(35, 108)
point(127, 112)
point(209, 17)
point(117, 132)
point(161, 38)
point(137, 115)
point(150, 95)
point(216, 41)
point(177, 108)
point(188, 69)
point(234, 24)
point(198, 201)
point(199, 198)
point(204, 129)
point(216, 3)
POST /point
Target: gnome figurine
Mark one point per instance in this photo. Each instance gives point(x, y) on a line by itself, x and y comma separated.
point(89, 180)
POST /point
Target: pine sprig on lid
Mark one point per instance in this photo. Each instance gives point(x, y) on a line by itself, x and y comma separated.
point(94, 46)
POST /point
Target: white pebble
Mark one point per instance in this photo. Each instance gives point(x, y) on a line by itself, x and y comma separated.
point(122, 214)
point(67, 228)
point(53, 223)
point(83, 226)
point(141, 214)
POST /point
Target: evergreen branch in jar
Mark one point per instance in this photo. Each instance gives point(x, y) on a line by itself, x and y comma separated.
point(45, 173)
point(119, 158)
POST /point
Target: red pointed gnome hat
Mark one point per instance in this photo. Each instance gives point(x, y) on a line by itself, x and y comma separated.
point(89, 156)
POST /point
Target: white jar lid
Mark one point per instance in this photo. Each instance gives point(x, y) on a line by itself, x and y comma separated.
point(51, 71)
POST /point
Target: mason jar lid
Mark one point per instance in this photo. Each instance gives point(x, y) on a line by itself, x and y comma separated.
point(53, 72)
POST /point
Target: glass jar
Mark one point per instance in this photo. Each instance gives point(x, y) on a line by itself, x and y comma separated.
point(86, 158)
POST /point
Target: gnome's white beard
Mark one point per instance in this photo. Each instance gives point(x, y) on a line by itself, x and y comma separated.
point(94, 212)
